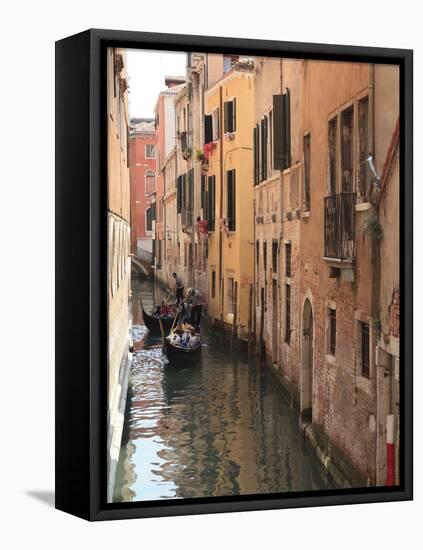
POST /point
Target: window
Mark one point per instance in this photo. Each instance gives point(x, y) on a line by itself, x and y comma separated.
point(210, 206)
point(150, 151)
point(257, 253)
point(365, 349)
point(256, 156)
point(263, 152)
point(150, 182)
point(347, 118)
point(363, 143)
point(179, 194)
point(231, 199)
point(282, 131)
point(265, 257)
point(332, 331)
point(288, 265)
point(306, 149)
point(288, 314)
point(208, 128)
point(229, 61)
point(203, 193)
point(231, 295)
point(275, 256)
point(230, 116)
point(149, 219)
point(213, 284)
point(333, 155)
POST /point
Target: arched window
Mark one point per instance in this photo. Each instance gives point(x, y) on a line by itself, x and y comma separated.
point(150, 182)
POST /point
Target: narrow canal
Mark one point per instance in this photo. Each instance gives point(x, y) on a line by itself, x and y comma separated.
point(216, 428)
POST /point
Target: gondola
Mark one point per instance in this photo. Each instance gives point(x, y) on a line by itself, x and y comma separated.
point(152, 322)
point(181, 353)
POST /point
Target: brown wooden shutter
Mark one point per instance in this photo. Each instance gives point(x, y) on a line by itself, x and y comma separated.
point(278, 132)
point(233, 115)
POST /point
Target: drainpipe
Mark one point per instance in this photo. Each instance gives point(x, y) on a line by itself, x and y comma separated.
point(390, 450)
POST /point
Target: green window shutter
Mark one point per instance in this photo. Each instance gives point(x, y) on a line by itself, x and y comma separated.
point(208, 128)
point(278, 132)
point(212, 199)
point(226, 116)
point(231, 204)
point(287, 117)
point(203, 192)
point(179, 194)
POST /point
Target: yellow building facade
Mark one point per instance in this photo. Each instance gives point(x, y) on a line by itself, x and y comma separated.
point(229, 110)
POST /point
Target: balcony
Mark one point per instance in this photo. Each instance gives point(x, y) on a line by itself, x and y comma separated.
point(186, 218)
point(339, 228)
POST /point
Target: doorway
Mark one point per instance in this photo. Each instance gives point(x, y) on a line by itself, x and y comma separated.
point(307, 357)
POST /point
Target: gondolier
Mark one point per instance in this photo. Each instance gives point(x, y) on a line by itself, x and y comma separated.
point(179, 287)
point(196, 301)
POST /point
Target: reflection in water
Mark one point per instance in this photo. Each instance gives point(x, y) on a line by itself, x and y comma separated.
point(215, 428)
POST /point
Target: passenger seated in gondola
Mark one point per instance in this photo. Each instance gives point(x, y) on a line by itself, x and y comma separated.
point(164, 310)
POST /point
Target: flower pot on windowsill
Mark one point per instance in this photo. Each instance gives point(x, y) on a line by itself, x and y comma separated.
point(186, 154)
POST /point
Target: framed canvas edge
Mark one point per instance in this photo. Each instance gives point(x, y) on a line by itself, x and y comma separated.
point(93, 505)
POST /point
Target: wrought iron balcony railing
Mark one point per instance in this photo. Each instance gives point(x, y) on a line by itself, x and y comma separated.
point(186, 217)
point(339, 226)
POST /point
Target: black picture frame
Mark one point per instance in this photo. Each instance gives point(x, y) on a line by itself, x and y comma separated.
point(81, 249)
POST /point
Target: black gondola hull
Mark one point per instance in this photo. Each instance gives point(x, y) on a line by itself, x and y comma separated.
point(180, 354)
point(152, 322)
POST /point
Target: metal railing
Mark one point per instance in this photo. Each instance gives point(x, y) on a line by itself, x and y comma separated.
point(339, 226)
point(186, 217)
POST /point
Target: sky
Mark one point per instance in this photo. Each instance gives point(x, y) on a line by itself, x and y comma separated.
point(146, 75)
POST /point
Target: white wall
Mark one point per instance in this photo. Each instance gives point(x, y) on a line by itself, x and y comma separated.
point(27, 277)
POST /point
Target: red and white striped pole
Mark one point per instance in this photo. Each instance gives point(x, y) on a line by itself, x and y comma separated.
point(390, 449)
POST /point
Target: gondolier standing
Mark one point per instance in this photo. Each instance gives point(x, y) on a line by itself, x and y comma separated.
point(179, 287)
point(196, 301)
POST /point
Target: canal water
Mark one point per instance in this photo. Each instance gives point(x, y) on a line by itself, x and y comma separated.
point(218, 427)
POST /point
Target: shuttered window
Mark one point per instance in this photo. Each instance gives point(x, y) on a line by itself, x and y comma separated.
point(282, 131)
point(208, 128)
point(231, 199)
point(179, 194)
point(203, 192)
point(210, 207)
point(365, 349)
point(230, 116)
point(288, 314)
point(256, 155)
point(306, 147)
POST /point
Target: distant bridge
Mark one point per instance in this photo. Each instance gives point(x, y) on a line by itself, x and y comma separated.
point(141, 267)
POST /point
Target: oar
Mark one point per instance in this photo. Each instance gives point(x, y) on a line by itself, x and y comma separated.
point(162, 331)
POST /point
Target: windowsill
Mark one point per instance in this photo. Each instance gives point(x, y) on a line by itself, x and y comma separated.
point(306, 214)
point(331, 359)
point(364, 383)
point(362, 206)
point(339, 262)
